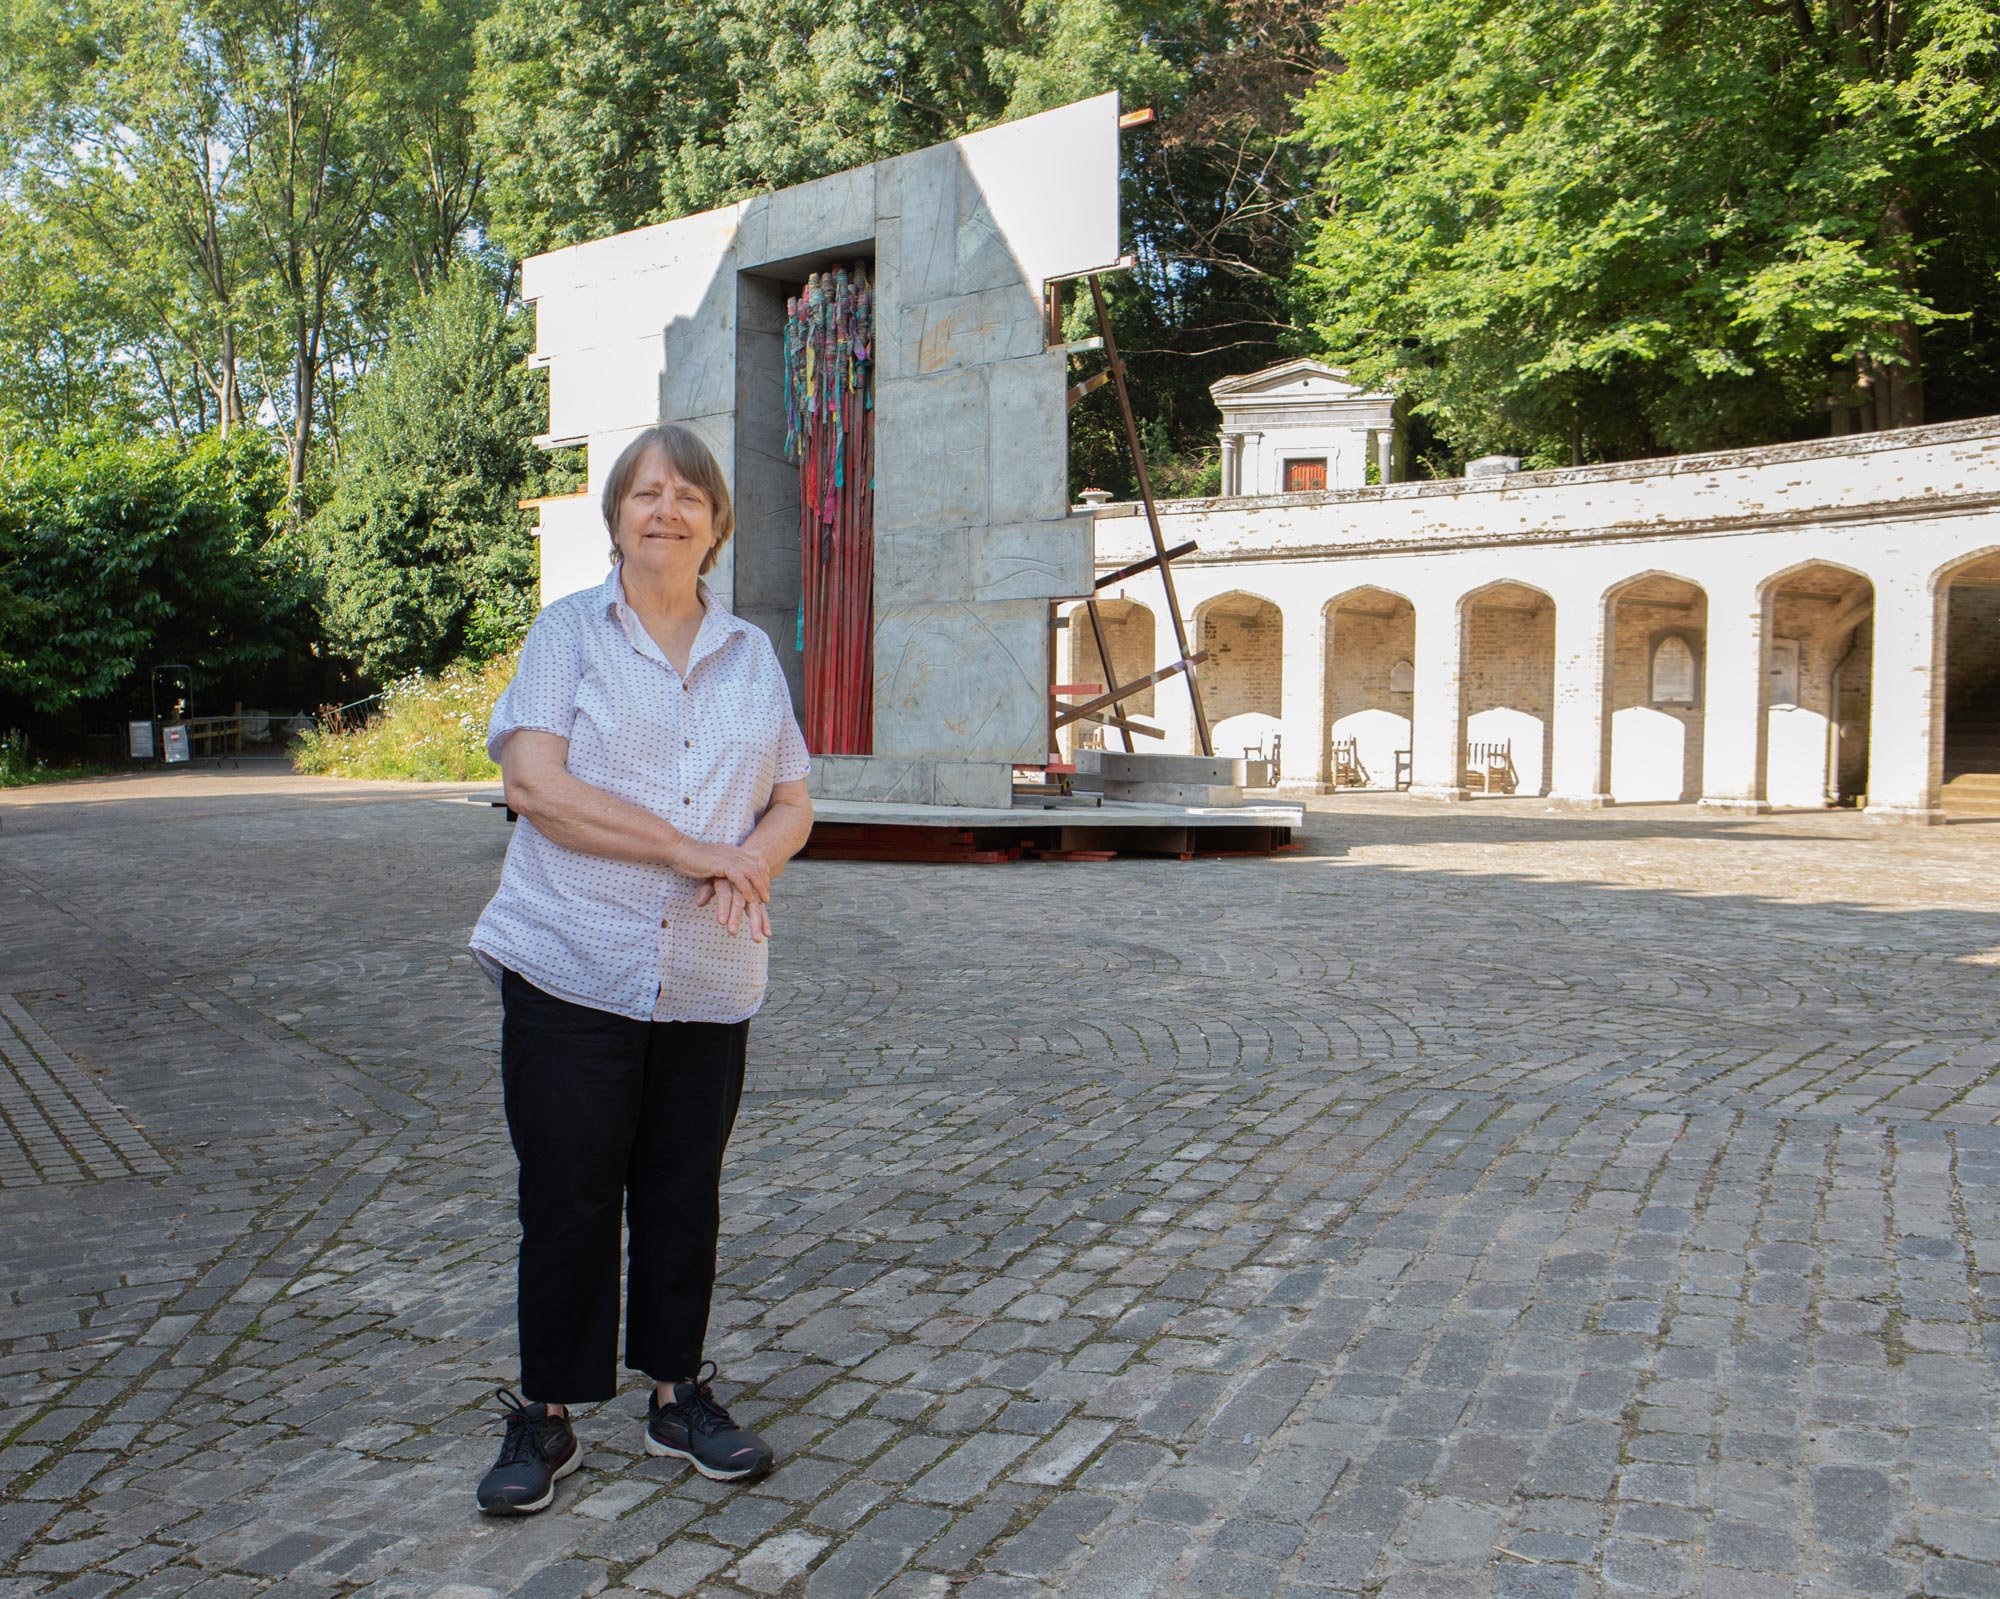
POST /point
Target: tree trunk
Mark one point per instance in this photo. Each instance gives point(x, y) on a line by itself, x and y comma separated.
point(1900, 389)
point(303, 398)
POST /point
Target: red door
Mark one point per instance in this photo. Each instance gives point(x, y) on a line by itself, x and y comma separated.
point(1302, 477)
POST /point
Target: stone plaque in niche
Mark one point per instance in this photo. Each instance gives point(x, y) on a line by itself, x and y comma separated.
point(1784, 671)
point(1402, 678)
point(1673, 671)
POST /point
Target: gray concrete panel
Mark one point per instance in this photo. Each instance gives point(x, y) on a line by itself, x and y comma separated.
point(920, 564)
point(965, 330)
point(1030, 560)
point(898, 779)
point(927, 224)
point(974, 783)
point(932, 468)
point(1030, 457)
point(971, 679)
point(818, 218)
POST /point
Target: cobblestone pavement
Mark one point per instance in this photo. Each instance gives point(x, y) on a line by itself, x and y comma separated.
point(1480, 1202)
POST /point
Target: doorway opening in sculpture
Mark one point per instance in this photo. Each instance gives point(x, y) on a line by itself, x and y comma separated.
point(804, 484)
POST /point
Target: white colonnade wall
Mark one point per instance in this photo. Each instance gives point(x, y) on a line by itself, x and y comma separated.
point(1706, 610)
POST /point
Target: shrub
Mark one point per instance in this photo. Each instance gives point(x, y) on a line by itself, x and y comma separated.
point(426, 730)
point(20, 765)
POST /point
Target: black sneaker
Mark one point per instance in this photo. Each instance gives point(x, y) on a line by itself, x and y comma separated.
point(694, 1427)
point(538, 1450)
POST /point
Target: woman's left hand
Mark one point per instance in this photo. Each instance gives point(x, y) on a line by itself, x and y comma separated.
point(734, 909)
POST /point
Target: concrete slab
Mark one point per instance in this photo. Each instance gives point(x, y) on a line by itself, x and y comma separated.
point(1112, 813)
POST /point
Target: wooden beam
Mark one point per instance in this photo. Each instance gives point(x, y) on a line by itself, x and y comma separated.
point(1135, 119)
point(1125, 691)
point(1089, 386)
point(1145, 729)
point(1146, 565)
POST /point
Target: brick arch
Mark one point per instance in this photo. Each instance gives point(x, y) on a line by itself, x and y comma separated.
point(1507, 686)
point(1653, 748)
point(1132, 635)
point(1365, 591)
point(1815, 681)
point(1798, 568)
point(1244, 633)
point(1966, 601)
point(1942, 577)
point(1365, 713)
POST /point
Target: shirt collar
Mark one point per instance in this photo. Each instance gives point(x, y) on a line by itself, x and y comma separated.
point(718, 625)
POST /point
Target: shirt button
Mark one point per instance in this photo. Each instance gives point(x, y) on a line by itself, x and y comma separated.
point(685, 800)
point(663, 921)
point(687, 743)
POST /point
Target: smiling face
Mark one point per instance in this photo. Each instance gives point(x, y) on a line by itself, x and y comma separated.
point(666, 525)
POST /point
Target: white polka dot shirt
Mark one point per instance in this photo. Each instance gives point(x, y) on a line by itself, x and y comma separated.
point(703, 752)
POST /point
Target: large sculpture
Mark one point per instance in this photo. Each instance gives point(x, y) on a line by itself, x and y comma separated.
point(685, 322)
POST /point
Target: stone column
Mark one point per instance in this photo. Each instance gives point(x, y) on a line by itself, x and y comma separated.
point(1303, 692)
point(1437, 732)
point(1249, 463)
point(1385, 460)
point(1579, 779)
point(1232, 463)
point(1173, 710)
point(1732, 695)
point(1906, 717)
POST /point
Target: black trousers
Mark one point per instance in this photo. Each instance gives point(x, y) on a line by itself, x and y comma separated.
point(611, 1115)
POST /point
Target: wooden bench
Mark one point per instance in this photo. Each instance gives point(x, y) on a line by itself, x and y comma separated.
point(1489, 767)
point(1348, 772)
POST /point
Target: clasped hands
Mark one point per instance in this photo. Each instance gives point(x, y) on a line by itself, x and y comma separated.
point(736, 882)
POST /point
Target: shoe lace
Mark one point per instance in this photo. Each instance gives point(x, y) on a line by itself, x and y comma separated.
point(520, 1445)
point(700, 1407)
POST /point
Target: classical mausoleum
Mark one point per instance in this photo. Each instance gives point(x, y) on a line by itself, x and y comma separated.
point(1300, 426)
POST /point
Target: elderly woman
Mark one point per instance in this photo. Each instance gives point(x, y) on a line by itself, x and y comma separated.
point(649, 749)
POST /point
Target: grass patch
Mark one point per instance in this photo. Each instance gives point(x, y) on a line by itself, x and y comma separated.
point(427, 730)
point(20, 766)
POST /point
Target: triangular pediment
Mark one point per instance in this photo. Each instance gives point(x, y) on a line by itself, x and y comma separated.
point(1300, 379)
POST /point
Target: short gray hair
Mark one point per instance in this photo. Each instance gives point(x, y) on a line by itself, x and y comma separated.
point(689, 459)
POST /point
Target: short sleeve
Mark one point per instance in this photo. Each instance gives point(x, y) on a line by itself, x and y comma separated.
point(793, 760)
point(542, 696)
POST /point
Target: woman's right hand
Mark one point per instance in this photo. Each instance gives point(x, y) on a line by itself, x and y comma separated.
point(742, 870)
point(733, 911)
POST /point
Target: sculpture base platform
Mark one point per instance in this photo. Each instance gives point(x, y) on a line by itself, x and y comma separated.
point(975, 835)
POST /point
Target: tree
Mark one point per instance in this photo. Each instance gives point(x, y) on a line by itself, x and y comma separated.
point(250, 172)
point(117, 555)
point(422, 550)
point(597, 117)
point(1629, 225)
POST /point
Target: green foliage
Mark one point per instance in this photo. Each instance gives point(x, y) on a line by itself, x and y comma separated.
point(422, 549)
point(1611, 228)
point(115, 556)
point(596, 116)
point(428, 730)
point(20, 765)
point(245, 189)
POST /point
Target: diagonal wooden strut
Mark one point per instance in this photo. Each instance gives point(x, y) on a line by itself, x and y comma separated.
point(1138, 685)
point(1116, 365)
